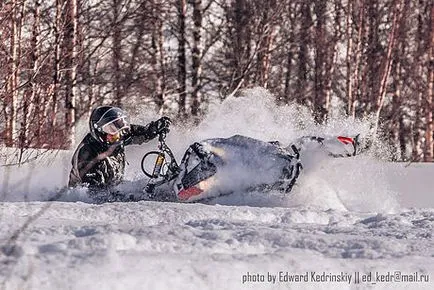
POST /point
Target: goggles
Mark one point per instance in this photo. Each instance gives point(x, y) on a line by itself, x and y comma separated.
point(115, 126)
point(115, 129)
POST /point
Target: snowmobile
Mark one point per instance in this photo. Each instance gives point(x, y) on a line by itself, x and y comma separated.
point(221, 166)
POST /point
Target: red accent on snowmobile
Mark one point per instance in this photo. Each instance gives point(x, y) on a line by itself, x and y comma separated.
point(189, 192)
point(345, 140)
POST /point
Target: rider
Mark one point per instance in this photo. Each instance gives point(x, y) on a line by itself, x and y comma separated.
point(99, 160)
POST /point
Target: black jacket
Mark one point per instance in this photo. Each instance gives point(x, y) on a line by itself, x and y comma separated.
point(100, 165)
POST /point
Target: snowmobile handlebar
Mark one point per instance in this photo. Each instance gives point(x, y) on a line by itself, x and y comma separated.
point(160, 161)
point(164, 148)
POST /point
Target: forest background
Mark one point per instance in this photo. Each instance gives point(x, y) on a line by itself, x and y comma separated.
point(362, 58)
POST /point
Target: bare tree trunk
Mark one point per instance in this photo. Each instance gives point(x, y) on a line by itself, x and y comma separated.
point(349, 59)
point(29, 112)
point(14, 78)
point(18, 14)
point(387, 67)
point(358, 52)
point(396, 126)
point(182, 66)
point(288, 73)
point(303, 55)
point(330, 62)
point(34, 85)
point(196, 57)
point(376, 66)
point(157, 56)
point(117, 54)
point(241, 43)
point(403, 137)
point(399, 127)
point(266, 33)
point(57, 59)
point(417, 126)
point(320, 59)
point(140, 26)
point(156, 70)
point(429, 142)
point(70, 43)
point(265, 56)
point(290, 53)
point(162, 81)
point(12, 84)
point(20, 141)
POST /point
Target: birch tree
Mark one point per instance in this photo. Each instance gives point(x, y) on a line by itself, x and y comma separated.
point(429, 137)
point(157, 53)
point(13, 77)
point(182, 61)
point(31, 96)
point(196, 57)
point(70, 44)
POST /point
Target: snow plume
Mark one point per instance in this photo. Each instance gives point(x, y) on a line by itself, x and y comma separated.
point(356, 184)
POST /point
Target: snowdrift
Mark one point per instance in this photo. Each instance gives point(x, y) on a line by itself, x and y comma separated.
point(352, 216)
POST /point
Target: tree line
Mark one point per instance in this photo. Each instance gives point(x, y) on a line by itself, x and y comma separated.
point(60, 58)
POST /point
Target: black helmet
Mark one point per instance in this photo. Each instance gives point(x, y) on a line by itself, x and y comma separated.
point(109, 124)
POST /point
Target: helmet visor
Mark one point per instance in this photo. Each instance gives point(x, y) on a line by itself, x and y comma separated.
point(116, 126)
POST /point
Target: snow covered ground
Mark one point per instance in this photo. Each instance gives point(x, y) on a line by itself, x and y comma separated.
point(149, 245)
point(349, 224)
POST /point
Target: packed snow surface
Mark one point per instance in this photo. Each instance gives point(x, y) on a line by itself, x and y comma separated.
point(350, 223)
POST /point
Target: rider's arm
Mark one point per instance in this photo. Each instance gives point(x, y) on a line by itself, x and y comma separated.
point(80, 162)
point(140, 134)
point(87, 168)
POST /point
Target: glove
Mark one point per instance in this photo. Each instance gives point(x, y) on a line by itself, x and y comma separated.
point(161, 125)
